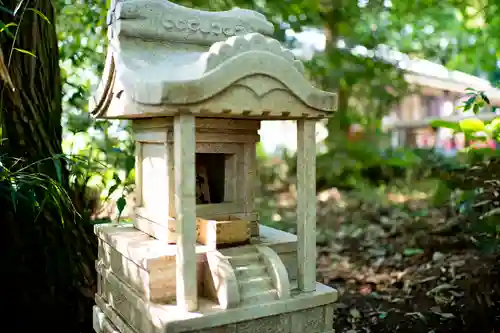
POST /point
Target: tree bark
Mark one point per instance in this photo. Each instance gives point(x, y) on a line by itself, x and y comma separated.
point(50, 255)
point(31, 117)
point(338, 125)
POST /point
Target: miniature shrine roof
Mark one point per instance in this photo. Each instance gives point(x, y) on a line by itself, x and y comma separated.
point(164, 59)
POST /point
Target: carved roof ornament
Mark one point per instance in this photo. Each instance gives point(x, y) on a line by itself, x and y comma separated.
point(164, 58)
point(221, 52)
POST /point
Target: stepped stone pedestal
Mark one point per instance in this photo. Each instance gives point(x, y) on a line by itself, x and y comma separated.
point(196, 86)
point(241, 289)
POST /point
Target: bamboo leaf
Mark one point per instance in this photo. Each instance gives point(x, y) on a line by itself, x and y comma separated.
point(5, 26)
point(6, 10)
point(57, 165)
point(39, 13)
point(19, 4)
point(24, 51)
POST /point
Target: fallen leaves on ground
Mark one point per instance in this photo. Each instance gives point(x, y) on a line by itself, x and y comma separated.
point(395, 263)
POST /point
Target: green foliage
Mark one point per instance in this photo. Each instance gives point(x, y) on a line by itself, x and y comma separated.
point(100, 159)
point(473, 128)
point(359, 164)
point(104, 168)
point(20, 188)
point(475, 175)
point(105, 146)
point(367, 84)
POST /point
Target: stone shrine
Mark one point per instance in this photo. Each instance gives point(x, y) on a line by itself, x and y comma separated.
point(196, 85)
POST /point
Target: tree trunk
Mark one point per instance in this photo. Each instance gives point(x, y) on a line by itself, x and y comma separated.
point(31, 117)
point(338, 125)
point(49, 254)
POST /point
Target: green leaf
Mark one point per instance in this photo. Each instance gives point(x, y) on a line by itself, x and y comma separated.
point(57, 165)
point(468, 103)
point(382, 315)
point(39, 13)
point(120, 204)
point(494, 126)
point(442, 194)
point(112, 189)
point(6, 30)
point(472, 125)
point(11, 24)
point(116, 178)
point(486, 99)
point(24, 51)
point(412, 252)
point(6, 10)
point(19, 4)
point(446, 124)
point(476, 108)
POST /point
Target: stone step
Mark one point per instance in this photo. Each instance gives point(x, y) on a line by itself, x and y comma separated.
point(258, 274)
point(258, 296)
point(255, 284)
point(242, 256)
point(250, 271)
point(238, 250)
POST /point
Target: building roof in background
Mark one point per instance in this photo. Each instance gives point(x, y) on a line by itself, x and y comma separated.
point(419, 71)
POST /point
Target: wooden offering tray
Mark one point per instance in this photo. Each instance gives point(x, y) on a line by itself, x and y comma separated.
point(224, 230)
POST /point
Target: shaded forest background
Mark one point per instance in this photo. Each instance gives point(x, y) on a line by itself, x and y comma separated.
point(387, 216)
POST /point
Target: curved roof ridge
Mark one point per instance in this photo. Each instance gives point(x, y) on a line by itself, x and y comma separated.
point(200, 70)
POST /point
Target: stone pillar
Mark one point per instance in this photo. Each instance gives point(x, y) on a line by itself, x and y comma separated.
point(185, 206)
point(306, 204)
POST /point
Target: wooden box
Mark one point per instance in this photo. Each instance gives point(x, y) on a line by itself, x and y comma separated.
point(166, 231)
point(228, 230)
point(223, 230)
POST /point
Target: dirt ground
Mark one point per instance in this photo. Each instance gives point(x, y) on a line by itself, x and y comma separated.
point(450, 288)
point(400, 266)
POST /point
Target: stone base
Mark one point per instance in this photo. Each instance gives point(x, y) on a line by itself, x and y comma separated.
point(148, 265)
point(302, 313)
point(136, 287)
point(101, 324)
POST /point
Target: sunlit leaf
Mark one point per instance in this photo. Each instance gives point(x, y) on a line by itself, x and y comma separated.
point(39, 13)
point(24, 51)
point(112, 190)
point(18, 6)
point(116, 178)
point(472, 125)
point(445, 124)
point(11, 24)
